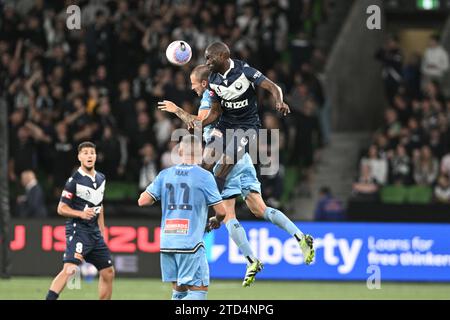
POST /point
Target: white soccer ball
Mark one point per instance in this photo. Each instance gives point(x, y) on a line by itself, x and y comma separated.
point(179, 53)
point(88, 271)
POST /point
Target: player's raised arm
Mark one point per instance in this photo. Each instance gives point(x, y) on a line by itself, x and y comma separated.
point(171, 107)
point(277, 93)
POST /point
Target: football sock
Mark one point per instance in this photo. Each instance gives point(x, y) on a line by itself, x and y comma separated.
point(195, 295)
point(178, 295)
point(237, 233)
point(279, 218)
point(51, 295)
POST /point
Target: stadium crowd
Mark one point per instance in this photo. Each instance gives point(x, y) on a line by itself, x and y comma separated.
point(412, 148)
point(102, 82)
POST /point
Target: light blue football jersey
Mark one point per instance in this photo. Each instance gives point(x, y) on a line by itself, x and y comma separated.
point(186, 192)
point(205, 104)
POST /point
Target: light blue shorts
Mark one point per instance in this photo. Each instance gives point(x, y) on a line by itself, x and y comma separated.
point(185, 268)
point(241, 180)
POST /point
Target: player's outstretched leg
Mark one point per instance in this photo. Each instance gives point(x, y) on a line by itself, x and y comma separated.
point(257, 206)
point(105, 283)
point(60, 281)
point(239, 237)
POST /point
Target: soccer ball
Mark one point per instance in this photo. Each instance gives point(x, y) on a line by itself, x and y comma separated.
point(179, 52)
point(88, 271)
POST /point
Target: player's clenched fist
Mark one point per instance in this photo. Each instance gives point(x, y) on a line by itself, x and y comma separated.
point(213, 223)
point(88, 213)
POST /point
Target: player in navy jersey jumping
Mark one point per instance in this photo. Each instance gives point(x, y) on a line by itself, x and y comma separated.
point(241, 180)
point(186, 191)
point(82, 203)
point(233, 94)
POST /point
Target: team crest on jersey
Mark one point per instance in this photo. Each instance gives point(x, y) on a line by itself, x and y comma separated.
point(238, 85)
point(94, 196)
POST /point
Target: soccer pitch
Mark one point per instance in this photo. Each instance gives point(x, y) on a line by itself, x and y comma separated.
point(34, 288)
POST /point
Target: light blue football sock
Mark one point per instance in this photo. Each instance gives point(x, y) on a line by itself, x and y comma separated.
point(178, 295)
point(237, 233)
point(279, 218)
point(196, 295)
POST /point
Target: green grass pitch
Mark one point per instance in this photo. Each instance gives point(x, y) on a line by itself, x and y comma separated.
point(35, 288)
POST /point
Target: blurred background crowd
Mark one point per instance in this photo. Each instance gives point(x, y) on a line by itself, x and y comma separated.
point(410, 153)
point(102, 83)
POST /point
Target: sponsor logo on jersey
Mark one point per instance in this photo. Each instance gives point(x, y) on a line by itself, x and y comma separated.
point(235, 105)
point(176, 226)
point(66, 194)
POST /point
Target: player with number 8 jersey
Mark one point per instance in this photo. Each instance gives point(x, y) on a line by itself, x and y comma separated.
point(82, 204)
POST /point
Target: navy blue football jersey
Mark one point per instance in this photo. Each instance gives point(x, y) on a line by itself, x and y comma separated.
point(236, 92)
point(81, 191)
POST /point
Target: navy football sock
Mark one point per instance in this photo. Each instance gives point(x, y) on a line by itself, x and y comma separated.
point(51, 295)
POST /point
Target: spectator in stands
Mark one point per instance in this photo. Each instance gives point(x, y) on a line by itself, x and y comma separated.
point(378, 165)
point(307, 139)
point(392, 125)
point(64, 155)
point(109, 155)
point(400, 166)
point(328, 207)
point(402, 109)
point(435, 61)
point(365, 188)
point(32, 203)
point(149, 168)
point(426, 167)
point(441, 191)
point(392, 59)
point(412, 76)
point(445, 165)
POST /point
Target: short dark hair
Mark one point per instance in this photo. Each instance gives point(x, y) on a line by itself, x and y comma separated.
point(86, 144)
point(201, 72)
point(218, 48)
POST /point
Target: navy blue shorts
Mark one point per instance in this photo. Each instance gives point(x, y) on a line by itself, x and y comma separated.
point(86, 246)
point(234, 142)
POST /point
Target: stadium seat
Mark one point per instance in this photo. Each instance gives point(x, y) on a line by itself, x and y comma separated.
point(419, 194)
point(393, 194)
